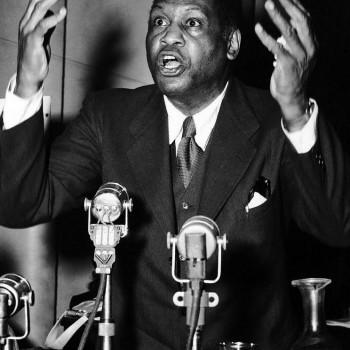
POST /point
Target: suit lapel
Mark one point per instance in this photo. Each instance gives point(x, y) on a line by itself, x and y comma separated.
point(150, 159)
point(230, 150)
point(230, 153)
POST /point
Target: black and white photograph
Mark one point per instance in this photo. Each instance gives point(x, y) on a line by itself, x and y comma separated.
point(175, 174)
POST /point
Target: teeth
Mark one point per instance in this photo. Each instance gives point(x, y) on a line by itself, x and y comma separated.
point(170, 62)
point(172, 65)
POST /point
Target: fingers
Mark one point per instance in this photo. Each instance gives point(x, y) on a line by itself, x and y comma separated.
point(301, 7)
point(297, 30)
point(35, 18)
point(288, 31)
point(274, 46)
point(300, 20)
point(28, 13)
point(50, 22)
point(294, 53)
point(39, 13)
point(300, 41)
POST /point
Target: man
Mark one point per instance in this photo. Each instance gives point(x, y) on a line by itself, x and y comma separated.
point(134, 137)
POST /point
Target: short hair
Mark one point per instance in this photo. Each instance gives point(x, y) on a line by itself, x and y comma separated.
point(229, 14)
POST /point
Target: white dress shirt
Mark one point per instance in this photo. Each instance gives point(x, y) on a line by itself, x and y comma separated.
point(204, 121)
point(302, 140)
point(16, 110)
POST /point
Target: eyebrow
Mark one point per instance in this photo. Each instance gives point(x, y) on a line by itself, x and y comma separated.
point(155, 6)
point(191, 8)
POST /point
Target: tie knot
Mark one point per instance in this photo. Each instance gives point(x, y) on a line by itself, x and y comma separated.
point(189, 128)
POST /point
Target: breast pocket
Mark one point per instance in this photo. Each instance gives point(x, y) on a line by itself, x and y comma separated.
point(257, 225)
point(254, 240)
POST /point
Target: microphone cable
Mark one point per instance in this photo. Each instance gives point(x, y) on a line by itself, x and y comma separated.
point(15, 342)
point(92, 316)
point(197, 290)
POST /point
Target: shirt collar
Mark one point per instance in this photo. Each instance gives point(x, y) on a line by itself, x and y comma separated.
point(204, 120)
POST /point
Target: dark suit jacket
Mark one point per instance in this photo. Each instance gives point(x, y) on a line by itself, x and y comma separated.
point(121, 136)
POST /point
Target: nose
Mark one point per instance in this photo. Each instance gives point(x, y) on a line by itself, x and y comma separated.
point(173, 36)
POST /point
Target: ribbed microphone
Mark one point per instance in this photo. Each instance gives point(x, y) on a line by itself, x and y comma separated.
point(15, 286)
point(107, 204)
point(15, 294)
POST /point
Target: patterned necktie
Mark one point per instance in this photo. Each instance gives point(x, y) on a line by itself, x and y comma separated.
point(189, 153)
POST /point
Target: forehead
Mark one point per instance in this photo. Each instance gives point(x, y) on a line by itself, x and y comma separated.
point(206, 6)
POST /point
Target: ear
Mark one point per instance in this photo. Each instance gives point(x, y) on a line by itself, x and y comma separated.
point(233, 44)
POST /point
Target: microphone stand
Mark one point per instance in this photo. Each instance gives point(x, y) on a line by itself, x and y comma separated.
point(4, 314)
point(196, 256)
point(106, 327)
point(106, 236)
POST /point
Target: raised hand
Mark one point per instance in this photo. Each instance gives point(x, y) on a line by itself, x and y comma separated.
point(295, 59)
point(34, 51)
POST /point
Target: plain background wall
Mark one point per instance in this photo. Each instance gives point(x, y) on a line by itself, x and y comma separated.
point(101, 45)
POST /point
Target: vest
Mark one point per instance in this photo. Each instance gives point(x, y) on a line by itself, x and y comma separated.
point(186, 200)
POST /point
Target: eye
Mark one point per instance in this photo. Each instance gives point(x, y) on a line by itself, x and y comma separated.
point(193, 22)
point(159, 22)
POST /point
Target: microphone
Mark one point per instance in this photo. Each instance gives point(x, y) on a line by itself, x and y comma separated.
point(15, 294)
point(16, 287)
point(109, 202)
point(196, 242)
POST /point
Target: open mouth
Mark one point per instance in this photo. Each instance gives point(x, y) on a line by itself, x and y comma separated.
point(170, 64)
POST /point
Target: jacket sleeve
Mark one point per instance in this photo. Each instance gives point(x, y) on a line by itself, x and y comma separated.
point(318, 187)
point(39, 182)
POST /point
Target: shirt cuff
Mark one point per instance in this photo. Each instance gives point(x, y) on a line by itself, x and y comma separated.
point(16, 109)
point(303, 140)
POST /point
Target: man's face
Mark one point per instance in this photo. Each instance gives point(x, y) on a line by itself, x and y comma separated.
point(186, 50)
